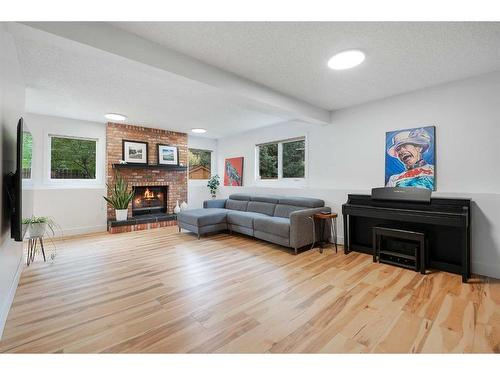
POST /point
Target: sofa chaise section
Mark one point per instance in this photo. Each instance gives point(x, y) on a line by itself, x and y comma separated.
point(203, 220)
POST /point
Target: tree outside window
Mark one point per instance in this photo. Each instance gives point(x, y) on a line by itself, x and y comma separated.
point(294, 159)
point(285, 159)
point(72, 158)
point(268, 161)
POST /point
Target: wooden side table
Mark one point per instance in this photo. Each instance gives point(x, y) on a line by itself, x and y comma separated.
point(333, 228)
point(32, 244)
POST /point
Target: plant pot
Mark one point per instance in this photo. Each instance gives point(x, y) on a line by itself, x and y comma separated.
point(25, 228)
point(121, 215)
point(37, 229)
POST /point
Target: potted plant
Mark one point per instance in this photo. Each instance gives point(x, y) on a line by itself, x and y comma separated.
point(119, 197)
point(213, 185)
point(38, 226)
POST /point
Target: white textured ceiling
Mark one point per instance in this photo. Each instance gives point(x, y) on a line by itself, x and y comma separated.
point(72, 80)
point(84, 81)
point(291, 57)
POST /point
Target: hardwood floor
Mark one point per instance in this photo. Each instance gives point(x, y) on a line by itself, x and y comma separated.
point(161, 291)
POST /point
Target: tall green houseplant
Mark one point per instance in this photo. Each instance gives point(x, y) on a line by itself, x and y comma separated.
point(119, 197)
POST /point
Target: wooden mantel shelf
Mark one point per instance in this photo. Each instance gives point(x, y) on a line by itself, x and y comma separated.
point(150, 166)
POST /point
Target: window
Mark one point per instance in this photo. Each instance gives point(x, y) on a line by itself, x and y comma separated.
point(27, 155)
point(268, 161)
point(200, 164)
point(72, 158)
point(283, 159)
point(294, 159)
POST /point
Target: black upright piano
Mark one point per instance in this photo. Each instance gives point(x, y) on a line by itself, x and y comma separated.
point(446, 223)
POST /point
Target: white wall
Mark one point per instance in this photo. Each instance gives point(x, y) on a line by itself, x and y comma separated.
point(348, 156)
point(11, 108)
point(197, 189)
point(78, 207)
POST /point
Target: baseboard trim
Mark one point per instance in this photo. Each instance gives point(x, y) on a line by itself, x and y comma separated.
point(80, 230)
point(340, 240)
point(486, 269)
point(4, 311)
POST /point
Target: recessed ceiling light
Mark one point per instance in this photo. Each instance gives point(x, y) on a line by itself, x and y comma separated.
point(115, 117)
point(346, 59)
point(199, 130)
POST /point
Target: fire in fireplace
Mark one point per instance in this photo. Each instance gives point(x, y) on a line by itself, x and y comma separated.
point(149, 200)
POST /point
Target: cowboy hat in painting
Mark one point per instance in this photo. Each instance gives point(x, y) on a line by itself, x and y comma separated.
point(418, 137)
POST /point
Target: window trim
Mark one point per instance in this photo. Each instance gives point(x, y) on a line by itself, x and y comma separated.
point(280, 161)
point(201, 180)
point(72, 182)
point(28, 181)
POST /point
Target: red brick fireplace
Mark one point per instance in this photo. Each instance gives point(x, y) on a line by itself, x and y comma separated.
point(170, 184)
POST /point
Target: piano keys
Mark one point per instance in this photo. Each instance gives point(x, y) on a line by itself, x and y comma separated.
point(446, 223)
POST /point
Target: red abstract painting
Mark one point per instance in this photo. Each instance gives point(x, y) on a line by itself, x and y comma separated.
point(233, 172)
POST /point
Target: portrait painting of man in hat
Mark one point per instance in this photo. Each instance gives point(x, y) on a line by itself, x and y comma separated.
point(409, 158)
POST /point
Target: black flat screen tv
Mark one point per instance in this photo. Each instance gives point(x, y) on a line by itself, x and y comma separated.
point(13, 188)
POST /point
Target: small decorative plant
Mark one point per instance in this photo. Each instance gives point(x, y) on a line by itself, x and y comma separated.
point(120, 197)
point(38, 226)
point(213, 185)
point(41, 226)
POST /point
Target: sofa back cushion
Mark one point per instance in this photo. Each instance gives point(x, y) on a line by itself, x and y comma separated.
point(272, 205)
point(302, 202)
point(240, 197)
point(261, 207)
point(234, 204)
point(265, 198)
point(284, 210)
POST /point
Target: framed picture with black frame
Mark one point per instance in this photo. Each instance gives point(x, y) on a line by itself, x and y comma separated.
point(168, 155)
point(135, 152)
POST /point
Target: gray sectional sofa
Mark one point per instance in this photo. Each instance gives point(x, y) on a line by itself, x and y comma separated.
point(285, 221)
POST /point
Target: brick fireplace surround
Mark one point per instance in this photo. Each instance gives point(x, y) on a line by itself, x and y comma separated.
point(175, 180)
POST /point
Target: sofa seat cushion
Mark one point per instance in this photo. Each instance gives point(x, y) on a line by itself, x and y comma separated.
point(242, 218)
point(279, 226)
point(203, 216)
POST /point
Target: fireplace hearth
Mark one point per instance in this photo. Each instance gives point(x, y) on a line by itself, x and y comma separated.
point(149, 200)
